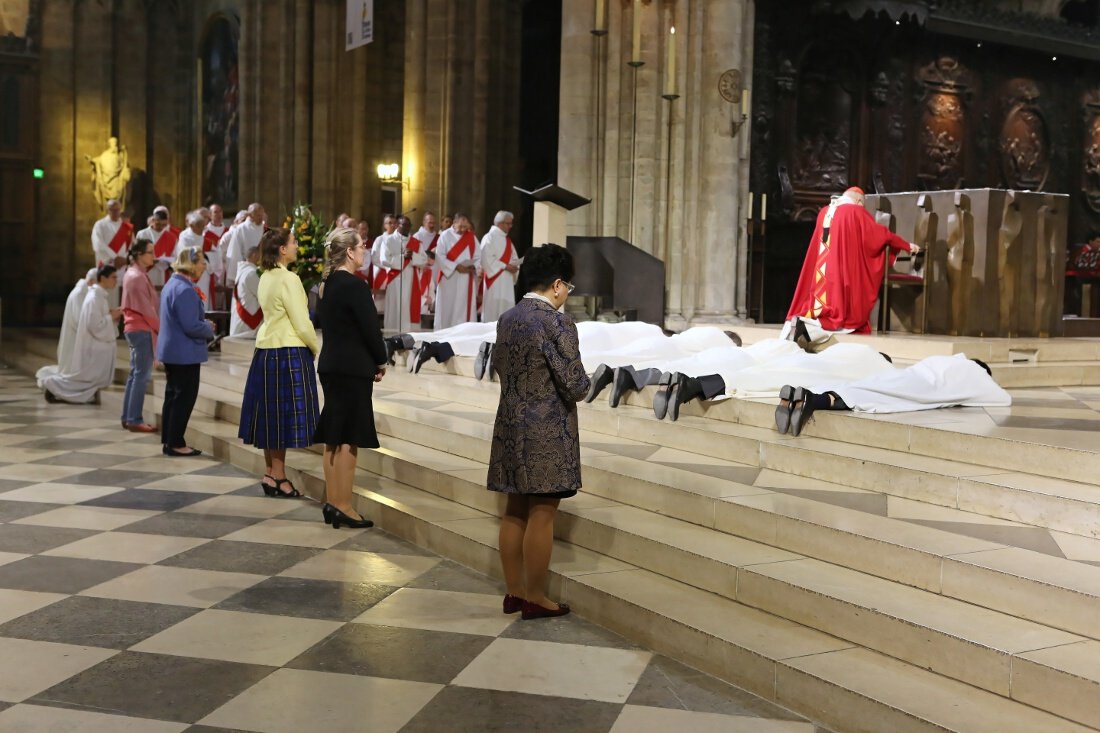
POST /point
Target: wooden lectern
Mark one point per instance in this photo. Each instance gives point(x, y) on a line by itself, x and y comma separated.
point(552, 203)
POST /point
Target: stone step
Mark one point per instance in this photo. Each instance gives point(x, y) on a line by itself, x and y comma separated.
point(1028, 584)
point(945, 635)
point(936, 441)
point(754, 649)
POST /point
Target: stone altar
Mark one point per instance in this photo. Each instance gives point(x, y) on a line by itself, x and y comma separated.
point(994, 262)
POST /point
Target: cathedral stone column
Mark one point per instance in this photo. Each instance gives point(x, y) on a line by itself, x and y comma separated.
point(718, 227)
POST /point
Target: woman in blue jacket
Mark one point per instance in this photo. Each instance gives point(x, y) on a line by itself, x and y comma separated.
point(181, 347)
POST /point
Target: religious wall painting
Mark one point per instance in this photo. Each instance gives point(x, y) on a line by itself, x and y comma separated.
point(220, 114)
point(823, 122)
point(1024, 143)
point(943, 125)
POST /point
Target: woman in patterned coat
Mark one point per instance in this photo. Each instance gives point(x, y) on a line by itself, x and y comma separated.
point(535, 457)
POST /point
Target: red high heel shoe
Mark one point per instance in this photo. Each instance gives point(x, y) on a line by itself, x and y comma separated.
point(534, 610)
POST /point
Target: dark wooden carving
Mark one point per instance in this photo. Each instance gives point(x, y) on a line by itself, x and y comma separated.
point(943, 124)
point(1090, 158)
point(1024, 143)
point(823, 146)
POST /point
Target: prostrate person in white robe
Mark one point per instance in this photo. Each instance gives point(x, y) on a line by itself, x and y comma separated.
point(499, 264)
point(245, 315)
point(401, 285)
point(456, 278)
point(66, 343)
point(92, 367)
point(164, 244)
point(111, 237)
point(380, 274)
point(243, 238)
point(932, 383)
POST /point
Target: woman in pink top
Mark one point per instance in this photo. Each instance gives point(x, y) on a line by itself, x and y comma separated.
point(139, 309)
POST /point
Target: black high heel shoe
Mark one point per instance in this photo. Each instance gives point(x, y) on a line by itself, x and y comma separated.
point(339, 518)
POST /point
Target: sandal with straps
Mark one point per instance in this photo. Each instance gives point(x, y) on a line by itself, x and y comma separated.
point(278, 493)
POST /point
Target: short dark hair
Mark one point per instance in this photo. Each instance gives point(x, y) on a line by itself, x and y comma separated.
point(270, 243)
point(105, 272)
point(141, 244)
point(543, 265)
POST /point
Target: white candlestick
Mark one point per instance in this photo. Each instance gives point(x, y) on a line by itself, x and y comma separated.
point(670, 63)
point(599, 15)
point(636, 37)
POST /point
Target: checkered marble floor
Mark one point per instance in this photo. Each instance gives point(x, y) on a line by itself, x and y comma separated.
point(143, 594)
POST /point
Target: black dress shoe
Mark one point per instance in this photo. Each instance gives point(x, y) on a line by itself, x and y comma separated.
point(600, 379)
point(802, 336)
point(783, 412)
point(660, 400)
point(425, 352)
point(677, 395)
point(180, 454)
point(340, 519)
point(620, 383)
point(481, 361)
point(803, 400)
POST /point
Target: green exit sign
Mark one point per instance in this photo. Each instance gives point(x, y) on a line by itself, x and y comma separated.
point(39, 173)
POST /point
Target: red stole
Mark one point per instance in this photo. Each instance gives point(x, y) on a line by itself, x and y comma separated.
point(418, 286)
point(506, 258)
point(209, 240)
point(252, 320)
point(426, 276)
point(122, 237)
point(166, 245)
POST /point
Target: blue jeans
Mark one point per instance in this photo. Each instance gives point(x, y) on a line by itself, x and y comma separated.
point(141, 371)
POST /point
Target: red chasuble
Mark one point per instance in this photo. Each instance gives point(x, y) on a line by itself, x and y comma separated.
point(841, 288)
point(166, 245)
point(122, 237)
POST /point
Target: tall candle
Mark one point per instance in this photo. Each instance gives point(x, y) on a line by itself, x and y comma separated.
point(599, 15)
point(636, 38)
point(748, 206)
point(763, 207)
point(670, 63)
point(745, 101)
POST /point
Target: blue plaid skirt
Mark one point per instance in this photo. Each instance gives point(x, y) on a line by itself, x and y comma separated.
point(280, 399)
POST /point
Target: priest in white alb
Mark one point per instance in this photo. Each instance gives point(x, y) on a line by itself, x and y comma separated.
point(499, 265)
point(423, 243)
point(243, 238)
point(457, 272)
point(195, 236)
point(92, 366)
point(66, 342)
point(246, 315)
point(211, 244)
point(111, 237)
point(380, 274)
point(400, 289)
point(164, 244)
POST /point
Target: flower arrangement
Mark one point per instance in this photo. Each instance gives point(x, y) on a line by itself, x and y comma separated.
point(310, 233)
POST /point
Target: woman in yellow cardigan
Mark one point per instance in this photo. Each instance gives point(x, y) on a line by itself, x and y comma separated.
point(279, 409)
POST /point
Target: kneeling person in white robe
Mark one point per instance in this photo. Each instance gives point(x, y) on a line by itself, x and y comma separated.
point(93, 360)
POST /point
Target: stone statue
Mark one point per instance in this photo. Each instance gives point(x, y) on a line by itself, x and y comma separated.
point(110, 173)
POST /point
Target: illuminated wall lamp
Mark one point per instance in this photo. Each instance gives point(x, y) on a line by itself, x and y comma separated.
point(391, 173)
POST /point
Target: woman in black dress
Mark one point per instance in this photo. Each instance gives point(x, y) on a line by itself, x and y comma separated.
point(353, 358)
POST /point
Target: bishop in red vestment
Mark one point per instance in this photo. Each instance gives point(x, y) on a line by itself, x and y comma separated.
point(844, 266)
